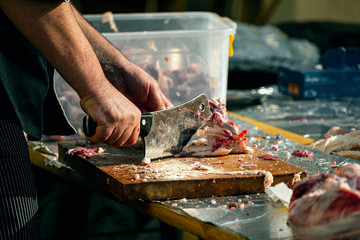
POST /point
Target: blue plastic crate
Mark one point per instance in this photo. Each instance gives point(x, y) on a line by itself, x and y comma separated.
point(337, 75)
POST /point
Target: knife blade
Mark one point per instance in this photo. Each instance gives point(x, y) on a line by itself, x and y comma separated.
point(165, 132)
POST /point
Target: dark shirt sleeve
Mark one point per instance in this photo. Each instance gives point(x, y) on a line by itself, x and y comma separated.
point(26, 81)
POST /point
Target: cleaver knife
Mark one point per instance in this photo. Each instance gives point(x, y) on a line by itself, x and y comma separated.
point(165, 132)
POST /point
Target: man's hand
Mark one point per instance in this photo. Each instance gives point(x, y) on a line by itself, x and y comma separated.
point(118, 120)
point(138, 86)
point(53, 28)
point(130, 79)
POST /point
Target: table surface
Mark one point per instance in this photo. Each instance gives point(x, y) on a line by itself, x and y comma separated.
point(261, 218)
point(308, 117)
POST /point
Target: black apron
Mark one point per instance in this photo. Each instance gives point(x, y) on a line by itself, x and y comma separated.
point(27, 103)
point(27, 86)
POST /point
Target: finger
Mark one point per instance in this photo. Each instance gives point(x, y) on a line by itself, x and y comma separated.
point(158, 101)
point(123, 138)
point(115, 135)
point(102, 133)
point(133, 138)
point(166, 101)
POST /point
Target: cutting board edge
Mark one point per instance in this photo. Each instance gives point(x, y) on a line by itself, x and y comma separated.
point(135, 191)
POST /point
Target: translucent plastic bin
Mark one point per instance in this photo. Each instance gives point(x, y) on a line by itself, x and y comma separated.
point(186, 52)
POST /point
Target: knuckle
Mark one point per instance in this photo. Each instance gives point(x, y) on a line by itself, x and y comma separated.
point(131, 141)
point(118, 143)
point(109, 142)
point(133, 138)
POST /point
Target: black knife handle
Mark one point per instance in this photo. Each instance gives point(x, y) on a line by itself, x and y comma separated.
point(145, 124)
point(89, 125)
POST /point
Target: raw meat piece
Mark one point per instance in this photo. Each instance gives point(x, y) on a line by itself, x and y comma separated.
point(337, 131)
point(327, 206)
point(85, 152)
point(233, 205)
point(270, 157)
point(199, 166)
point(217, 105)
point(217, 136)
point(268, 177)
point(295, 179)
point(347, 145)
point(109, 18)
point(302, 153)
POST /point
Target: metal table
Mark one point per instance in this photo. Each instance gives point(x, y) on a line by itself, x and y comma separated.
point(261, 218)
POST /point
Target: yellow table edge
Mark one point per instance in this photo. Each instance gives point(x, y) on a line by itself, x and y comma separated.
point(168, 215)
point(274, 130)
point(185, 222)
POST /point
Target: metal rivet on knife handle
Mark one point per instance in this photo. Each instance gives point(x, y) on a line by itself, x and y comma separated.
point(145, 124)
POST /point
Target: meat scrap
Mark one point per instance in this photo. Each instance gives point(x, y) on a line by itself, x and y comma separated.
point(109, 18)
point(85, 152)
point(268, 177)
point(217, 136)
point(347, 145)
point(296, 178)
point(218, 105)
point(327, 206)
point(233, 205)
point(337, 131)
point(269, 157)
point(302, 153)
point(199, 166)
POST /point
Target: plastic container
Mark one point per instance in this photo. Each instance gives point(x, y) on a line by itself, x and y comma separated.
point(187, 52)
point(190, 48)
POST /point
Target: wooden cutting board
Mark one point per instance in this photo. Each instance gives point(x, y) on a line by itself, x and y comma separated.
point(121, 172)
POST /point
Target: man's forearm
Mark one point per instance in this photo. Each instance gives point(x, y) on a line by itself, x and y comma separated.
point(53, 29)
point(104, 50)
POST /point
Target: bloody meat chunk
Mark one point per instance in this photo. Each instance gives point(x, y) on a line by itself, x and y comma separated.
point(85, 152)
point(327, 206)
point(217, 136)
point(303, 153)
